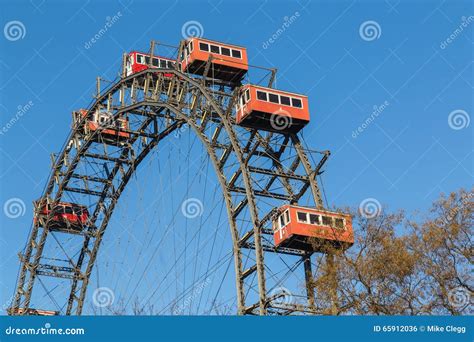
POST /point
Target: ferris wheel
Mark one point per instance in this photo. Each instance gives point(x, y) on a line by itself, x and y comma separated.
point(276, 221)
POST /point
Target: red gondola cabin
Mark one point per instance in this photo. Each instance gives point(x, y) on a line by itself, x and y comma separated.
point(32, 312)
point(65, 217)
point(312, 230)
point(229, 62)
point(139, 61)
point(114, 130)
point(271, 109)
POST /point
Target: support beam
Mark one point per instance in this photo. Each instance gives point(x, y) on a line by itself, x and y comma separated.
point(309, 281)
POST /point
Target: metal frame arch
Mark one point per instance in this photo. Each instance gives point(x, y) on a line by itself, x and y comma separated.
point(223, 183)
point(226, 122)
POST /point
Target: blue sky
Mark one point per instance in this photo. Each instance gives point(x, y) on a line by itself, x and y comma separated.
point(414, 60)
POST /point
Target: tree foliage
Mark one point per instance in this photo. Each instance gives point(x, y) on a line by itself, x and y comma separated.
point(401, 266)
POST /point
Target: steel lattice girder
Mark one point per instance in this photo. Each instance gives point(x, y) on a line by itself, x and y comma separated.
point(174, 102)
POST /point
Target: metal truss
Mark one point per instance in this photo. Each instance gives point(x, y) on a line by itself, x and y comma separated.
point(257, 171)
